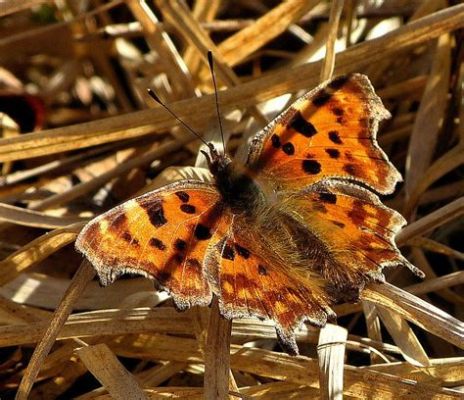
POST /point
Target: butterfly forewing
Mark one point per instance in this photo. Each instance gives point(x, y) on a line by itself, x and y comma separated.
point(330, 132)
point(163, 234)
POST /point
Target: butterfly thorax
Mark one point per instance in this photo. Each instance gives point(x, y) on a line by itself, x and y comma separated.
point(238, 190)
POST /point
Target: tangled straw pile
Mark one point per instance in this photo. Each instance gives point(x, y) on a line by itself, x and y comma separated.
point(78, 138)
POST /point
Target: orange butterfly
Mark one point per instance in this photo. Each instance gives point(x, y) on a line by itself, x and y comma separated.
point(284, 237)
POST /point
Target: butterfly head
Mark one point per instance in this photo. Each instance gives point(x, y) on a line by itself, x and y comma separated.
point(217, 161)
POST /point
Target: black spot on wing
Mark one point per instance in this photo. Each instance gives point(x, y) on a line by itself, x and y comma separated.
point(187, 208)
point(322, 98)
point(349, 169)
point(228, 252)
point(183, 196)
point(339, 224)
point(179, 258)
point(333, 153)
point(127, 237)
point(338, 82)
point(334, 136)
point(338, 111)
point(180, 244)
point(202, 232)
point(262, 270)
point(155, 212)
point(118, 222)
point(242, 252)
point(275, 141)
point(301, 125)
point(311, 167)
point(288, 149)
point(328, 197)
point(157, 244)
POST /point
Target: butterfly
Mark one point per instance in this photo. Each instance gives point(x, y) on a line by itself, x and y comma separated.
point(296, 229)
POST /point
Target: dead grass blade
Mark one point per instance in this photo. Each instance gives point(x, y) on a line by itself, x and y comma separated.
point(104, 365)
point(433, 220)
point(217, 353)
point(446, 371)
point(451, 160)
point(181, 17)
point(430, 116)
point(329, 60)
point(331, 354)
point(36, 250)
point(105, 322)
point(86, 187)
point(46, 292)
point(20, 216)
point(436, 284)
point(83, 276)
point(421, 313)
point(239, 46)
point(12, 6)
point(404, 337)
point(373, 328)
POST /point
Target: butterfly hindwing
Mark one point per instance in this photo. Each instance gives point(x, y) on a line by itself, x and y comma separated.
point(357, 230)
point(250, 281)
point(163, 234)
point(328, 133)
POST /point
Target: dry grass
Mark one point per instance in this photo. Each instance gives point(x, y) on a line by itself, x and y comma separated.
point(76, 73)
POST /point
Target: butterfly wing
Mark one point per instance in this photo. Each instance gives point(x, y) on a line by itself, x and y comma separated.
point(163, 234)
point(251, 280)
point(328, 133)
point(355, 230)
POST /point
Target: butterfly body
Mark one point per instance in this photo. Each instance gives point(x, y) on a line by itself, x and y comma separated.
point(243, 197)
point(238, 190)
point(295, 230)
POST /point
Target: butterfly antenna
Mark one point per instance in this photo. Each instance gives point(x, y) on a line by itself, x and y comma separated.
point(211, 68)
point(158, 100)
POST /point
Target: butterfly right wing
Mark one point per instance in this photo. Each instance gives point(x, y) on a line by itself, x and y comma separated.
point(330, 132)
point(164, 235)
point(355, 232)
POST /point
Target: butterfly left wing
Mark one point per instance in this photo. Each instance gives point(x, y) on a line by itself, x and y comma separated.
point(163, 235)
point(328, 133)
